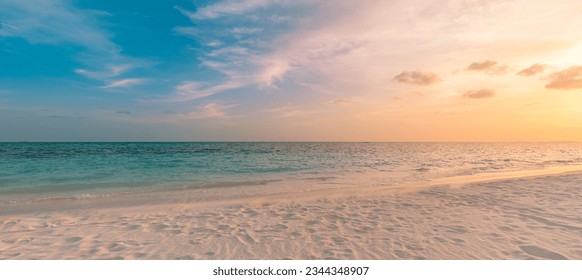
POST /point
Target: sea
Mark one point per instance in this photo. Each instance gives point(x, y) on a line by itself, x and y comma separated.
point(82, 170)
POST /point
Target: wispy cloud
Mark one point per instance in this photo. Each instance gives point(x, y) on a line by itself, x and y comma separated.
point(108, 71)
point(236, 48)
point(54, 22)
point(226, 8)
point(272, 70)
point(207, 111)
point(7, 30)
point(125, 83)
point(489, 67)
point(570, 78)
point(190, 90)
point(267, 53)
point(246, 30)
point(479, 94)
point(324, 53)
point(59, 22)
point(417, 78)
point(533, 70)
point(212, 111)
point(290, 111)
point(341, 101)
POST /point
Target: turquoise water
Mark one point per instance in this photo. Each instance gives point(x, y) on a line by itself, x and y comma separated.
point(45, 169)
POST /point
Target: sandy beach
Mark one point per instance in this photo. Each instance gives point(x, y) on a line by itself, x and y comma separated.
point(519, 217)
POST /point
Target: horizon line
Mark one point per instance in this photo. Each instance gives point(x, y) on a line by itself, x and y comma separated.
point(296, 141)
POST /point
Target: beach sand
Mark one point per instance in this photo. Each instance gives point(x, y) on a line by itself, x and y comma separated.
point(537, 217)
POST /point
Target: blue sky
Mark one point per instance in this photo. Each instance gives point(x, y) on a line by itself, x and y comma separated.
point(257, 70)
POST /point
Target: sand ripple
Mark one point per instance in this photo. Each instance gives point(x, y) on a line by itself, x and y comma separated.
point(539, 218)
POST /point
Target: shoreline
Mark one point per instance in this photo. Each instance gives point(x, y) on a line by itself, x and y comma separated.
point(224, 194)
point(529, 217)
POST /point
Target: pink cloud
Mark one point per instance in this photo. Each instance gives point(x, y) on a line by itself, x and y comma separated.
point(479, 94)
point(488, 67)
point(417, 78)
point(533, 70)
point(570, 78)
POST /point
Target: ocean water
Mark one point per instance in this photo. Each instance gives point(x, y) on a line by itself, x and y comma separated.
point(77, 169)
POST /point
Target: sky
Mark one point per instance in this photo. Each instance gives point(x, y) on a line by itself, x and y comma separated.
point(291, 70)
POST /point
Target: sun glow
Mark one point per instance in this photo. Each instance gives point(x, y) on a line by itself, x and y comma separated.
point(294, 70)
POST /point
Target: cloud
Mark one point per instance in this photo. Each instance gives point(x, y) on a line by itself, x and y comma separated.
point(280, 19)
point(7, 30)
point(108, 71)
point(249, 49)
point(346, 47)
point(55, 22)
point(124, 83)
point(341, 101)
point(323, 45)
point(189, 90)
point(59, 22)
point(417, 78)
point(212, 110)
point(533, 70)
point(272, 71)
point(208, 111)
point(570, 78)
point(489, 67)
point(214, 43)
point(124, 112)
point(226, 8)
point(479, 94)
point(288, 110)
point(246, 30)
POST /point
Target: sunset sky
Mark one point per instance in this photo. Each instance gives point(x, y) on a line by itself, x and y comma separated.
point(291, 70)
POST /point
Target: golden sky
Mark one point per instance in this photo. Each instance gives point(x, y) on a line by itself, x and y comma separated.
point(343, 70)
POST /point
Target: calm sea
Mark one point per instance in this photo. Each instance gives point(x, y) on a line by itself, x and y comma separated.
point(50, 169)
